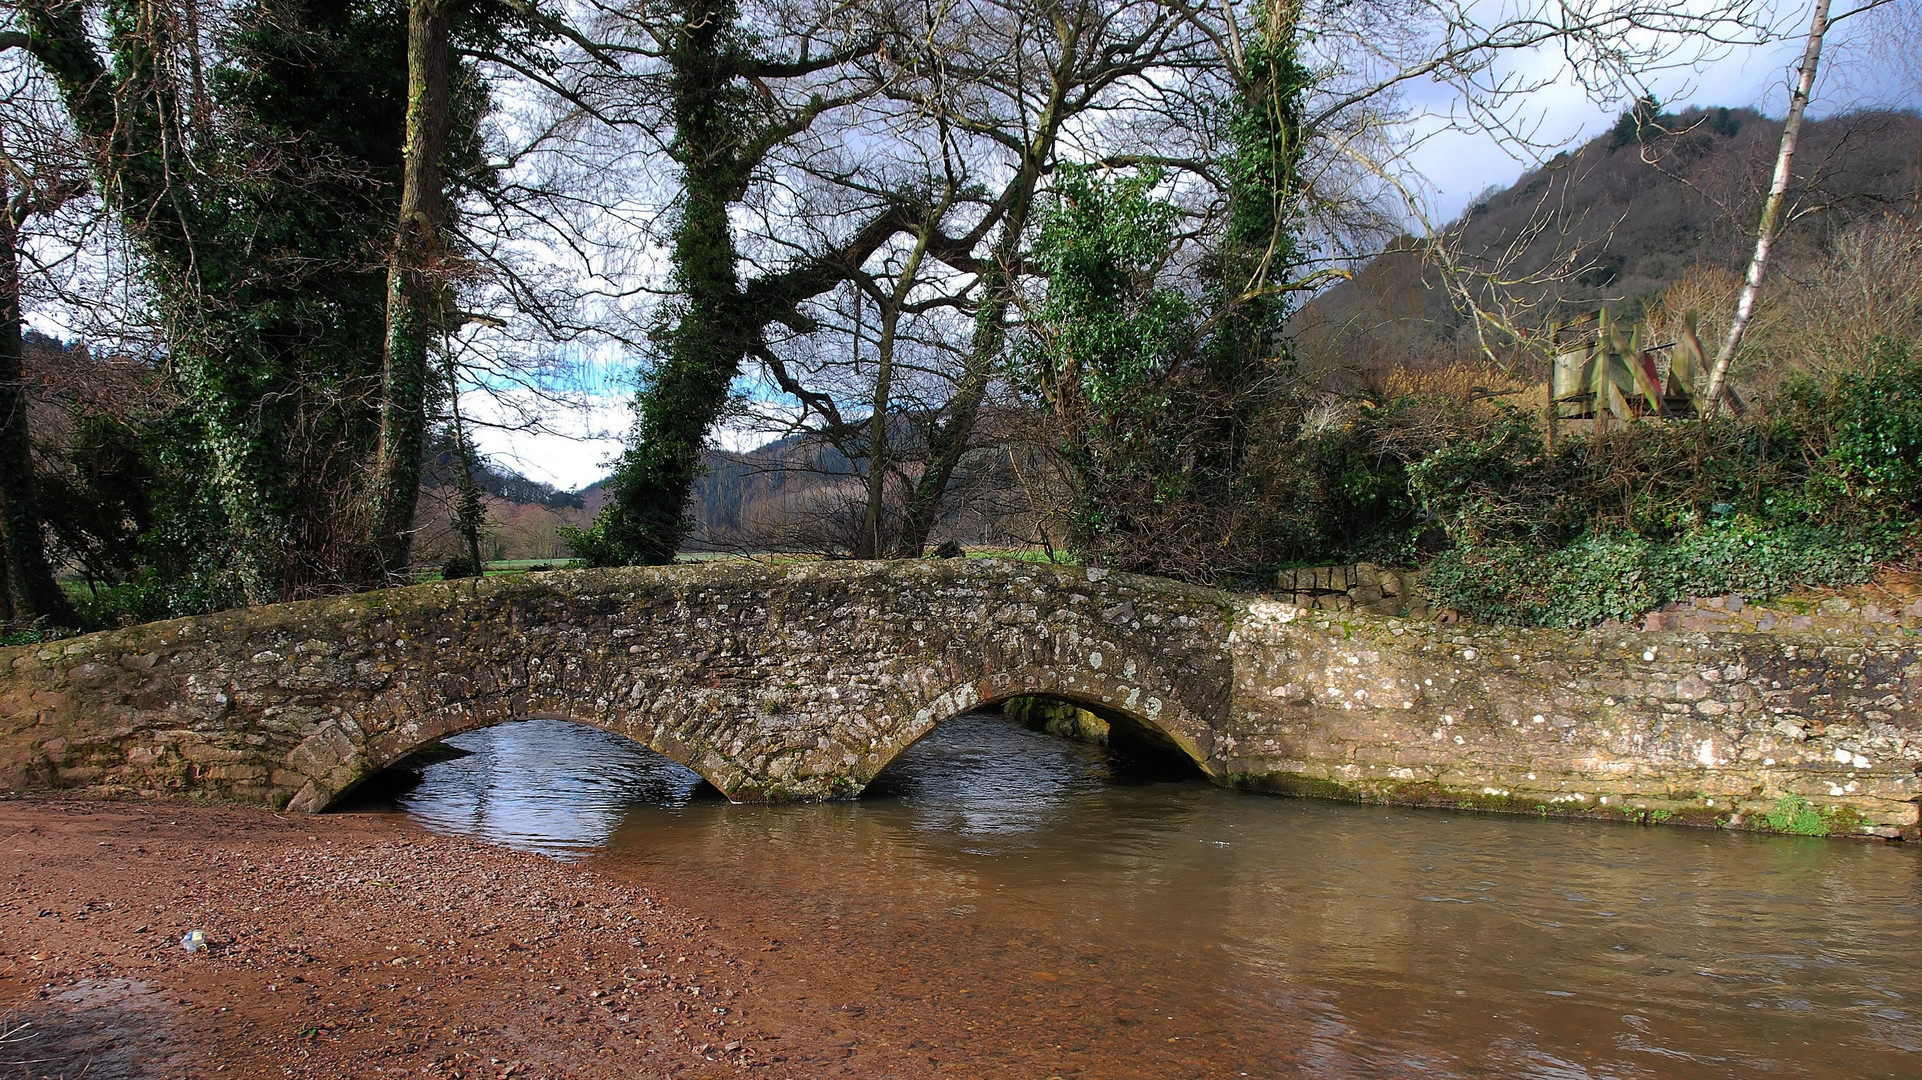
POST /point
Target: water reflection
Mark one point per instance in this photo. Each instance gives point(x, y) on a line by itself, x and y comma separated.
point(1004, 903)
point(545, 785)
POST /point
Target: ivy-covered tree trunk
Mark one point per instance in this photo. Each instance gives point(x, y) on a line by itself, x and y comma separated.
point(415, 291)
point(136, 148)
point(726, 121)
point(684, 394)
point(1260, 247)
point(1241, 366)
point(259, 267)
point(30, 591)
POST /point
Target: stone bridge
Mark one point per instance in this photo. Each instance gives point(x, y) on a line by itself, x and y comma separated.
point(802, 681)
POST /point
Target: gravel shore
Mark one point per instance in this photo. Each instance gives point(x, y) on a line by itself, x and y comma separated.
point(342, 946)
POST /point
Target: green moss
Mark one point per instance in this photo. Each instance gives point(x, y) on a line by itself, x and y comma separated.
point(1844, 820)
point(1298, 785)
point(1796, 816)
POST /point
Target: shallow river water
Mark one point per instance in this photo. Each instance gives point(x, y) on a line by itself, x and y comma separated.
point(1004, 903)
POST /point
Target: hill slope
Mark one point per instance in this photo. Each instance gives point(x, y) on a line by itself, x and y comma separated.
point(1617, 222)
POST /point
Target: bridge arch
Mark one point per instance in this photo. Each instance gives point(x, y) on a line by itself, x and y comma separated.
point(1164, 721)
point(792, 684)
point(772, 682)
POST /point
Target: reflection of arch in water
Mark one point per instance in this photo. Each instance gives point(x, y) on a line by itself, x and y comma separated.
point(571, 746)
point(545, 782)
point(359, 758)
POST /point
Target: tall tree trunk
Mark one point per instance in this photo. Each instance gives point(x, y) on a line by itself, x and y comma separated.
point(646, 519)
point(869, 544)
point(951, 436)
point(1771, 210)
point(30, 589)
point(416, 295)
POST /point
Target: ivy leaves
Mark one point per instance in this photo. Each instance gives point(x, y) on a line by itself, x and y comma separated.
point(1107, 332)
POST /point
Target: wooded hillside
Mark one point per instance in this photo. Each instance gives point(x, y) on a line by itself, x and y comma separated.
point(1617, 223)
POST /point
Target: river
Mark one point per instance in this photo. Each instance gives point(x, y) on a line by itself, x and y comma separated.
point(1006, 903)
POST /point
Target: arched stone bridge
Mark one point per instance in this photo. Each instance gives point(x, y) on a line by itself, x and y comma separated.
point(803, 681)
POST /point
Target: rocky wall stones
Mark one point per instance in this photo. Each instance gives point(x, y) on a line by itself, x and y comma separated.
point(1696, 727)
point(1365, 587)
point(797, 681)
point(805, 680)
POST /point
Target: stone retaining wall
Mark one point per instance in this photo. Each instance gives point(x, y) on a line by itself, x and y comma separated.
point(1704, 728)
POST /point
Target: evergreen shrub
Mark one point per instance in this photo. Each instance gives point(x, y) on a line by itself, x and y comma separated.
point(1824, 490)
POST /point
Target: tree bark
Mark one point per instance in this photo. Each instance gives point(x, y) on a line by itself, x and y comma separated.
point(719, 143)
point(415, 292)
point(30, 589)
point(951, 436)
point(869, 544)
point(1771, 210)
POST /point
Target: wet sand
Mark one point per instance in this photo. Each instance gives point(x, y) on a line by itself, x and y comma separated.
point(343, 946)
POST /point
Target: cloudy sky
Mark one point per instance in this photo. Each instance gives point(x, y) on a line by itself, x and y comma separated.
point(1869, 62)
point(1864, 64)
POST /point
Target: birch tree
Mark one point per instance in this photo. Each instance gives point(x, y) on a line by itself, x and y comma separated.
point(1772, 218)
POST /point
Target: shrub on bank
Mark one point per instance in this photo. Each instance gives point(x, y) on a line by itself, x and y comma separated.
point(1823, 490)
point(1620, 575)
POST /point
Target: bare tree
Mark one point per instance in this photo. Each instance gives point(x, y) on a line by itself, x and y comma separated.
point(1770, 227)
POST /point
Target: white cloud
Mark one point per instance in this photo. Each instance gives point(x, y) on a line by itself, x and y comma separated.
point(572, 444)
point(570, 447)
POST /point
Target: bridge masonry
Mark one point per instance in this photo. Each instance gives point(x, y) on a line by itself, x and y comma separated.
point(803, 681)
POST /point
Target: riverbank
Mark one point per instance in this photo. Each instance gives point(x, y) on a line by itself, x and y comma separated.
point(342, 946)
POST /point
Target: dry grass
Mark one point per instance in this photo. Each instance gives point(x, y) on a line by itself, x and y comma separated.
point(1818, 318)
